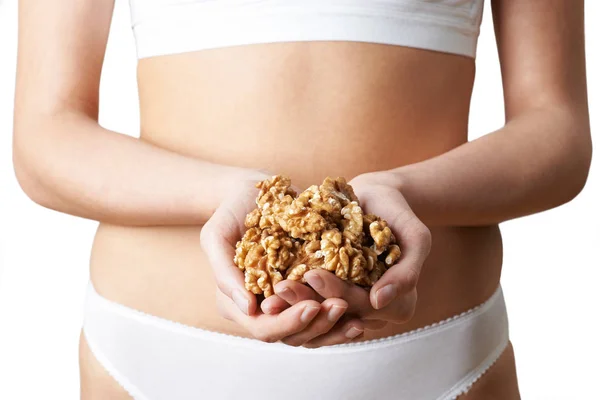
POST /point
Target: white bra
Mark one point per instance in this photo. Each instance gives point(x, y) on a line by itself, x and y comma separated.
point(176, 26)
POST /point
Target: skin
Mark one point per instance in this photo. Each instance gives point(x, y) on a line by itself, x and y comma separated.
point(210, 128)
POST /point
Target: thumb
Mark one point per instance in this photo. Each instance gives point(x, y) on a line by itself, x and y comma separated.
point(220, 251)
point(414, 240)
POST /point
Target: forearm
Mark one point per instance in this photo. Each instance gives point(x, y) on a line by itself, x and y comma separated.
point(539, 160)
point(71, 164)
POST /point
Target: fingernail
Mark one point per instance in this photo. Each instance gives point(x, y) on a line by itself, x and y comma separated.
point(270, 310)
point(241, 301)
point(288, 295)
point(335, 312)
point(385, 295)
point(353, 332)
point(315, 281)
point(309, 313)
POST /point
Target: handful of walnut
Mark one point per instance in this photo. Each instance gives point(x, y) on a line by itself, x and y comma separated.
point(323, 227)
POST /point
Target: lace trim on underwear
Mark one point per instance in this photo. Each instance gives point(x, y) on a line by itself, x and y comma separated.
point(462, 387)
point(366, 345)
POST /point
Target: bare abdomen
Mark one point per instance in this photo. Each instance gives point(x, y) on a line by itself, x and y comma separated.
point(306, 110)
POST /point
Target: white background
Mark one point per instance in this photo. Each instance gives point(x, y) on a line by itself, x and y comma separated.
point(551, 272)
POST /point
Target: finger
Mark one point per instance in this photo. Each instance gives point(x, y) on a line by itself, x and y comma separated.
point(223, 305)
point(329, 286)
point(415, 242)
point(293, 292)
point(401, 309)
point(403, 277)
point(343, 333)
point(374, 324)
point(220, 253)
point(274, 305)
point(331, 311)
point(271, 328)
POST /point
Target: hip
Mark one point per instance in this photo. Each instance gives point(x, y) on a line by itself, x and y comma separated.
point(153, 358)
point(162, 271)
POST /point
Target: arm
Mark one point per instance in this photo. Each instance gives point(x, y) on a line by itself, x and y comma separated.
point(539, 160)
point(65, 161)
point(541, 157)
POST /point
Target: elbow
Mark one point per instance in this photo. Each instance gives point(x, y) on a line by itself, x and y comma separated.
point(27, 169)
point(580, 161)
point(583, 164)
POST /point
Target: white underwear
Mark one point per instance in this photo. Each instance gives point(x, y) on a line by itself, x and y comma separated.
point(157, 359)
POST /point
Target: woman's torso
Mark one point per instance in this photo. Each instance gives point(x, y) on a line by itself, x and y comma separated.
point(307, 110)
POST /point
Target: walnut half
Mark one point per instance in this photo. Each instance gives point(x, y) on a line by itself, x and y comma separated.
point(323, 227)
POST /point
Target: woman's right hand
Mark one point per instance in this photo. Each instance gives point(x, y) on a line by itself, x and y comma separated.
point(305, 321)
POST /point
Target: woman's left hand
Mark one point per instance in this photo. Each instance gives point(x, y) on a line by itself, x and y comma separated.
point(392, 298)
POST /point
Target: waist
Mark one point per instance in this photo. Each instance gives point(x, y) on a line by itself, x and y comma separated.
point(163, 272)
point(306, 110)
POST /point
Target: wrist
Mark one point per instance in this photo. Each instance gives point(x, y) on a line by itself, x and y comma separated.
point(399, 179)
point(414, 192)
point(235, 180)
point(391, 178)
point(250, 177)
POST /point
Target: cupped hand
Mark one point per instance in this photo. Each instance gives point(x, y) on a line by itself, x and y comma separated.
point(304, 323)
point(308, 323)
point(393, 297)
